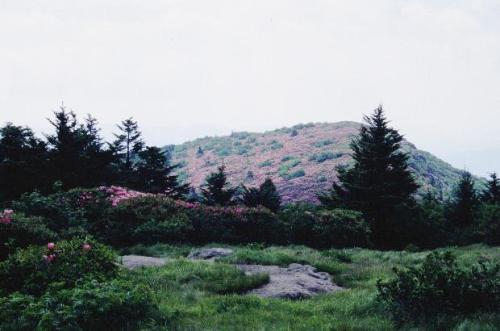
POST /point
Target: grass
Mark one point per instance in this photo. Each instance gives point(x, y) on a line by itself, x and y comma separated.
point(202, 296)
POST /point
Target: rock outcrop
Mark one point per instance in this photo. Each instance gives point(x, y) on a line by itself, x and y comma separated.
point(297, 281)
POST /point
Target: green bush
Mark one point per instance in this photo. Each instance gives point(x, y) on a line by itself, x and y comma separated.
point(489, 223)
point(299, 220)
point(63, 212)
point(145, 219)
point(324, 156)
point(297, 174)
point(307, 225)
point(266, 163)
point(235, 224)
point(440, 287)
point(93, 305)
point(341, 228)
point(23, 231)
point(34, 269)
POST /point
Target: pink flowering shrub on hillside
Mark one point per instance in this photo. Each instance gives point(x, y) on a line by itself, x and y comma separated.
point(118, 194)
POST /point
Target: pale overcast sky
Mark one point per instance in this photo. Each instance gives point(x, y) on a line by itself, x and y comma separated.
point(190, 68)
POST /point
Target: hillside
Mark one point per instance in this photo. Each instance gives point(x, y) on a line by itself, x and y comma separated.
point(301, 160)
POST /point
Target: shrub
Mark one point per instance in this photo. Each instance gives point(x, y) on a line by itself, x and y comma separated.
point(21, 232)
point(341, 228)
point(322, 143)
point(440, 287)
point(489, 223)
point(146, 219)
point(266, 163)
point(235, 224)
point(93, 305)
point(33, 269)
point(299, 220)
point(296, 174)
point(65, 210)
point(324, 156)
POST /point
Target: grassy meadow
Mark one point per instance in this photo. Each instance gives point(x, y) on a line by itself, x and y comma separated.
point(201, 295)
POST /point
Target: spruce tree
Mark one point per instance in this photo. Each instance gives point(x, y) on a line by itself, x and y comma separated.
point(76, 154)
point(465, 201)
point(23, 162)
point(66, 147)
point(266, 195)
point(379, 179)
point(98, 160)
point(492, 192)
point(127, 145)
point(156, 175)
point(216, 190)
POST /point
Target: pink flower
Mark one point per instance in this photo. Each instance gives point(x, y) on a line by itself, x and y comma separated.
point(49, 258)
point(51, 245)
point(86, 247)
point(6, 216)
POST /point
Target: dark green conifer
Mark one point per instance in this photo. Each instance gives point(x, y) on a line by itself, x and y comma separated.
point(216, 190)
point(379, 180)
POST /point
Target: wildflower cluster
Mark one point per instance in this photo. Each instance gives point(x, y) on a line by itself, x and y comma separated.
point(117, 194)
point(6, 216)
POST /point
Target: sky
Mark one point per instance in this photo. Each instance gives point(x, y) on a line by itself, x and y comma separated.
point(190, 68)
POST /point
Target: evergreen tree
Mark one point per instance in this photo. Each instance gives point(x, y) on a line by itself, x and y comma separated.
point(23, 162)
point(492, 192)
point(266, 195)
point(216, 190)
point(76, 154)
point(379, 179)
point(66, 146)
point(98, 161)
point(127, 145)
point(199, 152)
point(465, 201)
point(155, 175)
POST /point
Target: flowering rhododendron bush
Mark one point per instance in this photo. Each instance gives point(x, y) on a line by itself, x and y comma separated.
point(234, 224)
point(65, 212)
point(151, 219)
point(34, 269)
point(21, 231)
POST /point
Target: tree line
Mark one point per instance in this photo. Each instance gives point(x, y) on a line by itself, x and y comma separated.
point(76, 155)
point(379, 182)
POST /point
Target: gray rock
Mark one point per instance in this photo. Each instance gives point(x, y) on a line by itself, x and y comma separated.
point(137, 261)
point(294, 282)
point(209, 253)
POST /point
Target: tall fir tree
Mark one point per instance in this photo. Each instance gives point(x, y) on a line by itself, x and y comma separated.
point(66, 146)
point(216, 190)
point(492, 192)
point(378, 181)
point(156, 175)
point(76, 154)
point(126, 147)
point(265, 195)
point(465, 201)
point(98, 160)
point(23, 162)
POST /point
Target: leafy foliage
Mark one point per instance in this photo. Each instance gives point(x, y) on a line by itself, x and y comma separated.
point(34, 269)
point(92, 305)
point(440, 286)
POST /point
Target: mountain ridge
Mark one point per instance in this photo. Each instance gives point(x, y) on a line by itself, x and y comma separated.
point(301, 159)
